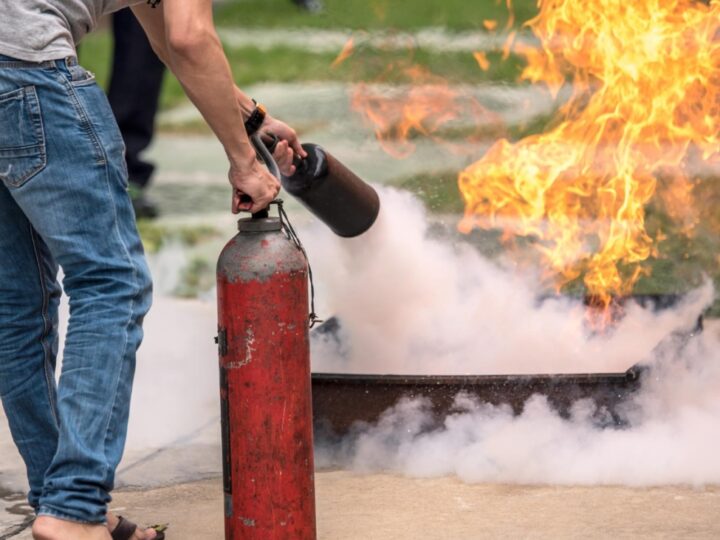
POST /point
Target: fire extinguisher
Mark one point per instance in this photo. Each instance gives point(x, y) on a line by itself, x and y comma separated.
point(265, 386)
point(263, 341)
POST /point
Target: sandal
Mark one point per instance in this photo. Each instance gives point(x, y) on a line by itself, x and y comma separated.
point(126, 528)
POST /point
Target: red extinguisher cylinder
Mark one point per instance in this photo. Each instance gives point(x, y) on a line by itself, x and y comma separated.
point(265, 385)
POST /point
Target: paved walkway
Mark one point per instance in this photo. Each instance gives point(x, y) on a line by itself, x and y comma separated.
point(332, 41)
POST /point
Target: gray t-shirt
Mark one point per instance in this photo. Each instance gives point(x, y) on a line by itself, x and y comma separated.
point(36, 30)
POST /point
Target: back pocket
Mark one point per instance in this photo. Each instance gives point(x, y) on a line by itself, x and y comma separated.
point(22, 140)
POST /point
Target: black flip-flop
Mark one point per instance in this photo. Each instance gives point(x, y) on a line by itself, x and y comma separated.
point(126, 528)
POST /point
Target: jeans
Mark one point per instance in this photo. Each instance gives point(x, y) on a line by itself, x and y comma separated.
point(64, 202)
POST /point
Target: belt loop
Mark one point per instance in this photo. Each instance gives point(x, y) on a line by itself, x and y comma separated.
point(71, 61)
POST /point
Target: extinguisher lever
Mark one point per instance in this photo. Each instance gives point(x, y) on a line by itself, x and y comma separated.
point(265, 155)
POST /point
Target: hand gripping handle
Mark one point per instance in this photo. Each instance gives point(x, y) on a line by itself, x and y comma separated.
point(265, 155)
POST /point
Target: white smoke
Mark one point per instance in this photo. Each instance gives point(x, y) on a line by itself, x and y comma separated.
point(412, 304)
point(671, 435)
point(409, 303)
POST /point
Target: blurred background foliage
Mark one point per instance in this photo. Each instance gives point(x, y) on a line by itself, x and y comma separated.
point(681, 262)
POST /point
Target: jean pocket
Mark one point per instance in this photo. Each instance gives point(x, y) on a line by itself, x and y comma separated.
point(22, 138)
point(79, 76)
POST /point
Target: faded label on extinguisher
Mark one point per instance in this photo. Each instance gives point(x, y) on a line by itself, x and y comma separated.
point(228, 505)
point(225, 429)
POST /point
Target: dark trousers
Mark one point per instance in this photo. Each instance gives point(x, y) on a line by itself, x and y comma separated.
point(135, 84)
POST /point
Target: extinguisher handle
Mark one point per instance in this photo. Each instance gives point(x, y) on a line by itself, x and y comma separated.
point(265, 155)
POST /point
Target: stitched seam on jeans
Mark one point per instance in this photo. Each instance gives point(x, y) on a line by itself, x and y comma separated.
point(46, 327)
point(37, 120)
point(46, 510)
point(21, 151)
point(132, 305)
point(85, 123)
point(84, 82)
point(13, 95)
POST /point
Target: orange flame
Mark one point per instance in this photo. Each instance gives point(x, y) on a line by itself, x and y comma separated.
point(420, 108)
point(482, 60)
point(511, 15)
point(645, 93)
point(347, 51)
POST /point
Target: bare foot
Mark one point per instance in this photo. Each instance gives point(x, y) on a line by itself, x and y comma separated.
point(147, 534)
point(50, 528)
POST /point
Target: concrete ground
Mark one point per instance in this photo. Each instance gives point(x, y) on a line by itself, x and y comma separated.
point(351, 506)
point(386, 507)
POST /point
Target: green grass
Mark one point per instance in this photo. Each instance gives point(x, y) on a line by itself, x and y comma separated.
point(681, 261)
point(685, 260)
point(155, 236)
point(438, 190)
point(95, 53)
point(372, 14)
point(282, 64)
point(197, 277)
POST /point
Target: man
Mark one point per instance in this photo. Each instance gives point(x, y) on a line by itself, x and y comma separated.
point(136, 80)
point(64, 202)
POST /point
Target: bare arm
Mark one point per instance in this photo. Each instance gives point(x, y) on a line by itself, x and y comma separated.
point(184, 37)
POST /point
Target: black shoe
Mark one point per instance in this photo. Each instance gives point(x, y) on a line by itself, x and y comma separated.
point(313, 6)
point(144, 208)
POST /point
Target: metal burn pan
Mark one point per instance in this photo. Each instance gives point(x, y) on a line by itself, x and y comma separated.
point(341, 400)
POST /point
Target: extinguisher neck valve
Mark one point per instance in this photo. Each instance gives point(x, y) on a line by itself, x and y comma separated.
point(259, 225)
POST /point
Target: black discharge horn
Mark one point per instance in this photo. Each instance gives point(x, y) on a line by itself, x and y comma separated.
point(332, 192)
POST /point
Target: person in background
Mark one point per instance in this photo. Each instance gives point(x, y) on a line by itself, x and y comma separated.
point(313, 6)
point(136, 79)
point(64, 203)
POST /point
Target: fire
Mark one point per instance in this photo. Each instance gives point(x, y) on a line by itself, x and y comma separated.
point(422, 105)
point(346, 52)
point(482, 60)
point(645, 79)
